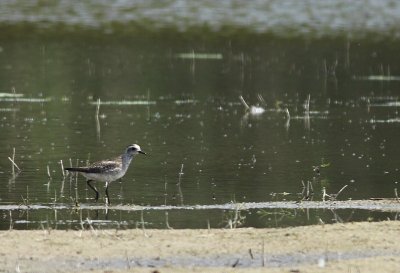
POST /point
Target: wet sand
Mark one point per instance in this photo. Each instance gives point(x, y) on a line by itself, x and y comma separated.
point(351, 247)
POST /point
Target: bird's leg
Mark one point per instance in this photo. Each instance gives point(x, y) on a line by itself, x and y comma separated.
point(93, 188)
point(108, 197)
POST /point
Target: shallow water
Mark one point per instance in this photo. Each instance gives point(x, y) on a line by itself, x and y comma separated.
point(178, 97)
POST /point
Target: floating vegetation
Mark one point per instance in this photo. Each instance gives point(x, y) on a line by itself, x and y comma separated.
point(374, 204)
point(379, 98)
point(386, 104)
point(10, 95)
point(123, 102)
point(188, 101)
point(253, 109)
point(310, 117)
point(9, 109)
point(377, 78)
point(391, 120)
point(19, 99)
point(200, 56)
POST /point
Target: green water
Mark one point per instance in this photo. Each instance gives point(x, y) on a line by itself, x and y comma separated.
point(176, 94)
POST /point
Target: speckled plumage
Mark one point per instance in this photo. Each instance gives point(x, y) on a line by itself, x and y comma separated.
point(108, 170)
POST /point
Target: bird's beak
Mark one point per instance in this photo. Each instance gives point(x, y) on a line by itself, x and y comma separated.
point(143, 153)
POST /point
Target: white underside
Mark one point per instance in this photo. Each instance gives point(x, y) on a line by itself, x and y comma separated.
point(103, 177)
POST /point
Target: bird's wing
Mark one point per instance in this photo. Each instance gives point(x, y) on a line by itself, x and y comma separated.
point(103, 166)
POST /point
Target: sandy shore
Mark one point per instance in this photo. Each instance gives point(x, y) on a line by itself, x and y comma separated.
point(352, 247)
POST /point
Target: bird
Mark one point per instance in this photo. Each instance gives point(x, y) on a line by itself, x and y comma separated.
point(108, 170)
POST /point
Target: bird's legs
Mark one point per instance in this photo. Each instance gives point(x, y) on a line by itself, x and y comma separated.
point(108, 197)
point(93, 188)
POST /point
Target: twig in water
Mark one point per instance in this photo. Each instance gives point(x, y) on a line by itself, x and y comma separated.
point(287, 113)
point(165, 190)
point(97, 119)
point(309, 191)
point(11, 221)
point(324, 194)
point(62, 168)
point(167, 221)
point(180, 175)
point(311, 187)
point(336, 217)
point(91, 226)
point(332, 196)
point(26, 200)
point(48, 172)
point(395, 194)
point(142, 222)
point(244, 102)
point(261, 99)
point(98, 107)
point(13, 162)
point(179, 184)
point(345, 186)
point(307, 104)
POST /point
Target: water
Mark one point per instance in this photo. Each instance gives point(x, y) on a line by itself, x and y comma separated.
point(177, 95)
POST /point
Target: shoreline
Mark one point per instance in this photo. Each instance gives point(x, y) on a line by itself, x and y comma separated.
point(358, 247)
point(316, 19)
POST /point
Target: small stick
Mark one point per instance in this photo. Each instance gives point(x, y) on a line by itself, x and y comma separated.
point(167, 221)
point(165, 190)
point(287, 113)
point(91, 226)
point(97, 119)
point(62, 168)
point(307, 106)
point(179, 184)
point(395, 194)
point(345, 186)
point(311, 186)
point(48, 171)
point(98, 107)
point(13, 157)
point(180, 175)
point(261, 99)
point(244, 102)
point(14, 164)
point(11, 221)
point(251, 254)
point(324, 194)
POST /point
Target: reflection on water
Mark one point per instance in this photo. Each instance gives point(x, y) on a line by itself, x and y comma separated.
point(68, 101)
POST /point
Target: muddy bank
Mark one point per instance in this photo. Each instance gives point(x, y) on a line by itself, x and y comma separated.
point(363, 247)
point(283, 18)
point(378, 204)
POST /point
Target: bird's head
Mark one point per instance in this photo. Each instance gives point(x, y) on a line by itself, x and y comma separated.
point(134, 149)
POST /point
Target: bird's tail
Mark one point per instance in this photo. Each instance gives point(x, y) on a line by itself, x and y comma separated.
point(77, 169)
